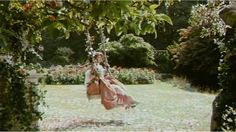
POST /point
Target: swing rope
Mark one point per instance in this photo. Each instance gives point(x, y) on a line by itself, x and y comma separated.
point(104, 40)
point(89, 49)
point(103, 43)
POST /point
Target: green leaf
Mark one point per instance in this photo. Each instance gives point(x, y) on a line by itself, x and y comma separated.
point(71, 1)
point(67, 34)
point(155, 32)
point(58, 25)
point(70, 14)
point(109, 27)
point(140, 25)
point(119, 33)
point(38, 38)
point(100, 24)
point(132, 25)
point(118, 30)
point(147, 28)
point(137, 31)
point(80, 27)
point(153, 6)
point(164, 17)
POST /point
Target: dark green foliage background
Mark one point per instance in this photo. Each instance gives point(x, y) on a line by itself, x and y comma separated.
point(130, 51)
point(197, 54)
point(163, 61)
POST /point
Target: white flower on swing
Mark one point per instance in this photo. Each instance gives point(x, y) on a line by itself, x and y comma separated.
point(107, 40)
point(90, 53)
point(93, 53)
point(91, 48)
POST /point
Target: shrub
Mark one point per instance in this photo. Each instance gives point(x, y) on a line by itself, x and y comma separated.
point(229, 118)
point(62, 56)
point(72, 74)
point(134, 75)
point(197, 55)
point(163, 61)
point(20, 98)
point(64, 75)
point(224, 106)
point(130, 51)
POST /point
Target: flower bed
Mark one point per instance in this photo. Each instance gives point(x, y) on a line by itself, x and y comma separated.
point(72, 74)
point(134, 75)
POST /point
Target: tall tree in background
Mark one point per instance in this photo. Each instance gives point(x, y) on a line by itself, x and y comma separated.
point(196, 56)
point(179, 13)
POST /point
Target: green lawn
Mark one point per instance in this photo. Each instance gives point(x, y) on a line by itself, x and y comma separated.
point(162, 107)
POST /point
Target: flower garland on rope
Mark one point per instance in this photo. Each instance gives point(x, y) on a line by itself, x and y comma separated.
point(90, 50)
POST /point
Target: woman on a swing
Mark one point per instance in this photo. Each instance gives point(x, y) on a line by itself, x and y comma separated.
point(100, 84)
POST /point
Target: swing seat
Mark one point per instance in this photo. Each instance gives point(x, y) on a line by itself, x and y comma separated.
point(93, 89)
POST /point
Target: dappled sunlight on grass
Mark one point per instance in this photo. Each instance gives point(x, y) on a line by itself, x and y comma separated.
point(184, 84)
point(161, 107)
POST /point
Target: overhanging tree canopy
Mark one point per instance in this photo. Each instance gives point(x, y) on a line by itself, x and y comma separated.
point(24, 20)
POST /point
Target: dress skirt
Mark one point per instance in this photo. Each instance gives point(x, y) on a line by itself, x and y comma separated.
point(111, 92)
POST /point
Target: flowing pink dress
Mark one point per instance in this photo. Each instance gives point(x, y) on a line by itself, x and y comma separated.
point(109, 89)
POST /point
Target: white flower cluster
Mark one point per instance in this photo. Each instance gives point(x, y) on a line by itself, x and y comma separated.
point(92, 52)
